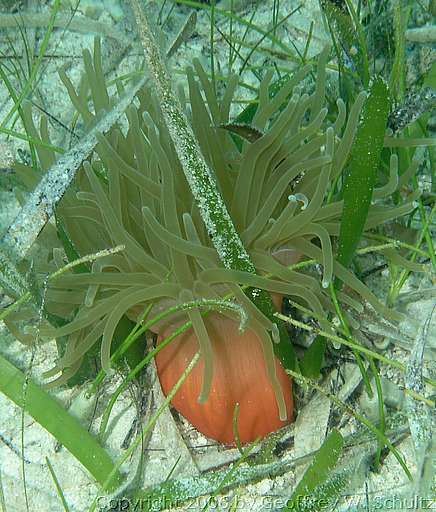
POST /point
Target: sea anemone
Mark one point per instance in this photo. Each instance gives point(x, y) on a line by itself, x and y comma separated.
point(275, 185)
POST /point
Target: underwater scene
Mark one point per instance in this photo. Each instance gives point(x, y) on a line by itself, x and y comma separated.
point(217, 255)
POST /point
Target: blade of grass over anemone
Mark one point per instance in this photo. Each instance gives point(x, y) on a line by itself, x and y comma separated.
point(50, 414)
point(213, 210)
point(318, 472)
point(361, 172)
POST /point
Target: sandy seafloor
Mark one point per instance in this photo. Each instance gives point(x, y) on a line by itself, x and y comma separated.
point(176, 442)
